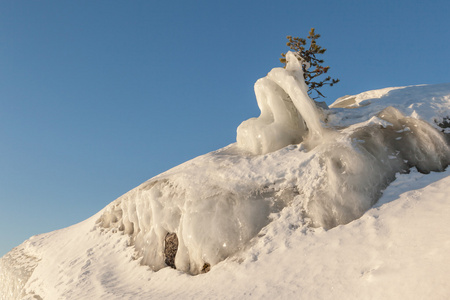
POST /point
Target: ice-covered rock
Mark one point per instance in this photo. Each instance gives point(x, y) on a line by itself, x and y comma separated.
point(218, 202)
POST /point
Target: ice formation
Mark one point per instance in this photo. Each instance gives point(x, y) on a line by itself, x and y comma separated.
point(16, 268)
point(287, 113)
point(288, 156)
point(211, 223)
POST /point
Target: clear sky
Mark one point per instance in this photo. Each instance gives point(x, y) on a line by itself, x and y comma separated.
point(98, 96)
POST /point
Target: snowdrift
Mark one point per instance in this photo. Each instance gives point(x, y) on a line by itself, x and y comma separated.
point(295, 171)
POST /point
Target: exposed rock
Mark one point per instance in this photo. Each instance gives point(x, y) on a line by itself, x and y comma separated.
point(170, 249)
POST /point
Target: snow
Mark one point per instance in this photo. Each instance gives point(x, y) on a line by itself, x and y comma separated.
point(430, 103)
point(350, 202)
point(399, 249)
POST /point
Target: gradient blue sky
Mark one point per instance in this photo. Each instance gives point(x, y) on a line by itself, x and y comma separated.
point(98, 96)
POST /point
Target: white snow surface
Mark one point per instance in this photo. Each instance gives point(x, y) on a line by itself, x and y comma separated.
point(327, 213)
point(397, 250)
point(427, 102)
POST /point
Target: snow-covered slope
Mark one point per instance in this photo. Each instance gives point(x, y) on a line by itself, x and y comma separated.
point(398, 250)
point(265, 219)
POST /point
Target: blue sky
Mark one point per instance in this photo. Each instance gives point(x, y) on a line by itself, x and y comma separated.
point(98, 96)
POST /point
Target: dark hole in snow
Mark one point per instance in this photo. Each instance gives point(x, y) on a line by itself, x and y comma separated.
point(170, 249)
point(206, 268)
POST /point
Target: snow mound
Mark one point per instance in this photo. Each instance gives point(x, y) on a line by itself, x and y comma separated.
point(216, 203)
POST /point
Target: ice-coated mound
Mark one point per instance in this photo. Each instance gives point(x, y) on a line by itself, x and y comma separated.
point(216, 203)
point(210, 222)
point(415, 142)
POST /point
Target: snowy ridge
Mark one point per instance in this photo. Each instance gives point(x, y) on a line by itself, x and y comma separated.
point(263, 214)
point(430, 103)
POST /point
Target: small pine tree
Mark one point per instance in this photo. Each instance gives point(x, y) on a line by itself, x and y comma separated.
point(311, 65)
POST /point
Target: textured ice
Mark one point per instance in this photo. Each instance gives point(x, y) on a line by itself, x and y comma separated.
point(288, 115)
point(16, 268)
